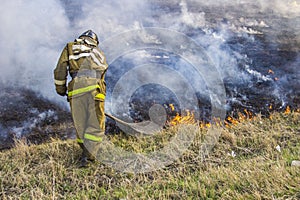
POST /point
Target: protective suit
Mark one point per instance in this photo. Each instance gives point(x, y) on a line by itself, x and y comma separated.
point(86, 64)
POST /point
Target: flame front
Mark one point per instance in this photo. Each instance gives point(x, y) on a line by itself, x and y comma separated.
point(229, 122)
point(189, 118)
point(233, 121)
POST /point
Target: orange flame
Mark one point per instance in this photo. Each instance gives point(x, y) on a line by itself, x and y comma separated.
point(233, 121)
point(271, 107)
point(230, 121)
point(271, 71)
point(189, 118)
point(172, 106)
point(205, 125)
point(287, 110)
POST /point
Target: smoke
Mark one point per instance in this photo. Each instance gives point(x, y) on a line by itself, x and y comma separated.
point(33, 33)
point(113, 17)
point(286, 8)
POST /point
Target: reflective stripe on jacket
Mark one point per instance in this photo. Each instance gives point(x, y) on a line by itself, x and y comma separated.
point(80, 55)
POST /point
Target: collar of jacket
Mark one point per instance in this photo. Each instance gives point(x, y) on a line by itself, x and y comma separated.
point(87, 40)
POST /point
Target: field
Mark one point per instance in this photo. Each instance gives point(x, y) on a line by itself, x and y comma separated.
point(252, 160)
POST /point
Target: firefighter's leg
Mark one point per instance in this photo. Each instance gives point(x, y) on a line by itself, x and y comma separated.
point(99, 104)
point(79, 115)
point(94, 132)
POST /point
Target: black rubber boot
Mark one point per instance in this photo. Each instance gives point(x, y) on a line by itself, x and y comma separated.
point(86, 158)
point(83, 163)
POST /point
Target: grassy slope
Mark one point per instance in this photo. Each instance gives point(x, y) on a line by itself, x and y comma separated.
point(258, 171)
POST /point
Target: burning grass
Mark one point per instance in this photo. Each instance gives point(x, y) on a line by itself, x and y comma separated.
point(252, 160)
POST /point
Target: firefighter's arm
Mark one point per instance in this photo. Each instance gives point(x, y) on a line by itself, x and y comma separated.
point(61, 73)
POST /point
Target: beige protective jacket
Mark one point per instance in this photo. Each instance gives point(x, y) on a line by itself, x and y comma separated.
point(86, 64)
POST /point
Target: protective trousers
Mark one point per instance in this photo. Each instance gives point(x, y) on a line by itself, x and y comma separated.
point(89, 120)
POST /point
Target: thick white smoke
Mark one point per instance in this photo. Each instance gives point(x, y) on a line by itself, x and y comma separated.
point(33, 32)
point(113, 17)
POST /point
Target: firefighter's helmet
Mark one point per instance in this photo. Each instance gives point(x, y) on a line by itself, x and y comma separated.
point(90, 34)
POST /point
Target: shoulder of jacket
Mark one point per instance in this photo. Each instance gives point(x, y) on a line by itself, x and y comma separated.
point(72, 43)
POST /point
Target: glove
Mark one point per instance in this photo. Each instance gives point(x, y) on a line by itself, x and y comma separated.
point(62, 94)
point(61, 90)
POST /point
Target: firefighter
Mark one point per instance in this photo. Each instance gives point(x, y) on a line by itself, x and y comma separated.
point(86, 64)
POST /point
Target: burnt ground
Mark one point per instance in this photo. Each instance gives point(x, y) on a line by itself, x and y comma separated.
point(25, 114)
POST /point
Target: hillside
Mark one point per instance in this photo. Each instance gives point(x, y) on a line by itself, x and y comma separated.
point(251, 161)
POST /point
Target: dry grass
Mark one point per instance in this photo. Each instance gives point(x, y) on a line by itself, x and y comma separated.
point(243, 165)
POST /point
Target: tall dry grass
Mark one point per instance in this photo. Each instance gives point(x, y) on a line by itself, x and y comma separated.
point(246, 163)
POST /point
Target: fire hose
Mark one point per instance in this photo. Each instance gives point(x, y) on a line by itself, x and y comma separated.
point(145, 128)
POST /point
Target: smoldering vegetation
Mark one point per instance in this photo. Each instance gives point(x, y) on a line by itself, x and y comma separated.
point(25, 114)
point(254, 45)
